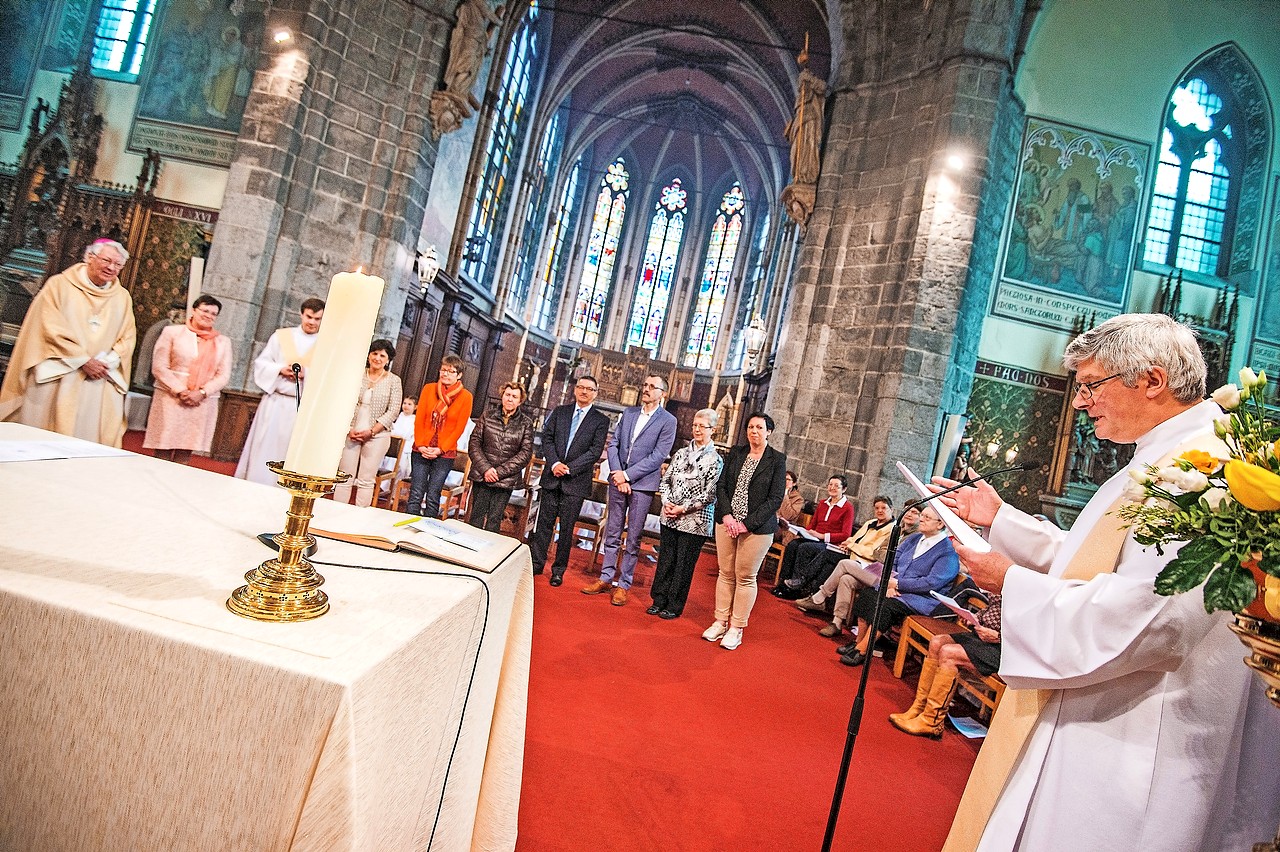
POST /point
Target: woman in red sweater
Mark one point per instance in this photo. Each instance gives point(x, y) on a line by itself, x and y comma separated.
point(832, 523)
point(443, 411)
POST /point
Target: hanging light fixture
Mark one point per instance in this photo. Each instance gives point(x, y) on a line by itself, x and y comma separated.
point(428, 264)
point(753, 335)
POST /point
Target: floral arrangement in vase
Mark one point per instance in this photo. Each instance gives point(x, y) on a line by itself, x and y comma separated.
point(1225, 506)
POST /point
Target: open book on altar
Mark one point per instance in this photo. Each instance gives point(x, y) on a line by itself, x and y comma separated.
point(449, 541)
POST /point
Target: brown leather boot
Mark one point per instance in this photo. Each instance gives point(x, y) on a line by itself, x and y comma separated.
point(927, 673)
point(596, 588)
point(933, 717)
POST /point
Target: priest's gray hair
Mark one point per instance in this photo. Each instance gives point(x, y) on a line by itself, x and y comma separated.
point(1130, 344)
point(709, 415)
point(97, 246)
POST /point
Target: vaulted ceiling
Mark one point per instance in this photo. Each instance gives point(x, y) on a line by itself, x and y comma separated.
point(698, 90)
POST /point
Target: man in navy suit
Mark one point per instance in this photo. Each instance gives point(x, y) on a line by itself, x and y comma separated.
point(572, 441)
point(636, 451)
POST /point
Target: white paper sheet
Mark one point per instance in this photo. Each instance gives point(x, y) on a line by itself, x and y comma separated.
point(959, 530)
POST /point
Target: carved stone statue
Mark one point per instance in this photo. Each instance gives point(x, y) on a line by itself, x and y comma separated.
point(468, 45)
point(804, 131)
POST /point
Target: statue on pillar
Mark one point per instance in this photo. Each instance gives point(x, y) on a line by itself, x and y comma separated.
point(468, 45)
point(804, 132)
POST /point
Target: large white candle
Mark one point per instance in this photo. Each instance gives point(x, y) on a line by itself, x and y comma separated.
point(331, 385)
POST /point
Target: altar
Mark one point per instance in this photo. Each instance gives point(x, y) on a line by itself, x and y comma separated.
point(137, 712)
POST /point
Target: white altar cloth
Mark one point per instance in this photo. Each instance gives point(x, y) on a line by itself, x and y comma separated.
point(137, 712)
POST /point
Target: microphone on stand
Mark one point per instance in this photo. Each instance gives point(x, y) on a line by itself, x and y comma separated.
point(859, 699)
point(297, 385)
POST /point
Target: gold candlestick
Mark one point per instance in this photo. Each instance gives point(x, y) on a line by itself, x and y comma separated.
point(287, 588)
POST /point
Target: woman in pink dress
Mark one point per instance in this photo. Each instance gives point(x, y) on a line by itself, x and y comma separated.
point(191, 365)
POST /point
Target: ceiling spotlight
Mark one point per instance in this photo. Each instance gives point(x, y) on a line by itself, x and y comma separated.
point(281, 35)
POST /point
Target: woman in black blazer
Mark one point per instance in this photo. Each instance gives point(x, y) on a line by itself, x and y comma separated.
point(748, 496)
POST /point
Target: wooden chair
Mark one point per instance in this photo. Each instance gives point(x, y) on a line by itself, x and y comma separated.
point(451, 495)
point(914, 635)
point(589, 521)
point(394, 450)
point(520, 515)
point(776, 549)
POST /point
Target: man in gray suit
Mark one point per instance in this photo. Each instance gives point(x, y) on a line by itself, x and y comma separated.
point(636, 451)
point(572, 441)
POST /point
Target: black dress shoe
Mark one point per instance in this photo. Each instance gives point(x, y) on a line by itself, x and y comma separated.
point(537, 571)
point(776, 591)
point(557, 579)
point(668, 614)
point(654, 610)
point(854, 659)
point(847, 649)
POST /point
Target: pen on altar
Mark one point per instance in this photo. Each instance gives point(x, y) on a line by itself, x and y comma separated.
point(406, 522)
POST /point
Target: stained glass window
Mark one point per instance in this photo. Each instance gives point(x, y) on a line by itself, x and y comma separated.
point(752, 297)
point(653, 290)
point(1191, 200)
point(121, 37)
point(561, 226)
point(722, 251)
point(602, 254)
point(534, 213)
point(493, 188)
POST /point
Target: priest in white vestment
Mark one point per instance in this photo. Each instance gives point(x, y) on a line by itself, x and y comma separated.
point(278, 409)
point(69, 371)
point(1153, 733)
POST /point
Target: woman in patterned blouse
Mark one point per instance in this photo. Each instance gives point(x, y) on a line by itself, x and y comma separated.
point(688, 494)
point(370, 433)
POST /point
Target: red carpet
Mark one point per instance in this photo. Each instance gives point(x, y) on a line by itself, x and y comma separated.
point(642, 736)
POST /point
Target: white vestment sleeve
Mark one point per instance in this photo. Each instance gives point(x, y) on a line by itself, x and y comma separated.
point(1025, 540)
point(267, 366)
point(1063, 634)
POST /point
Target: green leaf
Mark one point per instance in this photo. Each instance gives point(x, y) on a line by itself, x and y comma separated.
point(1270, 564)
point(1188, 570)
point(1231, 588)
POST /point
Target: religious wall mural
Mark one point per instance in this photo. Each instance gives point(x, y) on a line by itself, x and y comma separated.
point(22, 23)
point(1265, 351)
point(1070, 242)
point(62, 47)
point(195, 86)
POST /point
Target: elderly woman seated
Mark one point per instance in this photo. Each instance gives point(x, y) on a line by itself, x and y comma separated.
point(924, 562)
point(854, 573)
point(949, 653)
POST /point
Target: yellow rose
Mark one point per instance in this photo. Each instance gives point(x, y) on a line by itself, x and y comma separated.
point(1255, 487)
point(1200, 460)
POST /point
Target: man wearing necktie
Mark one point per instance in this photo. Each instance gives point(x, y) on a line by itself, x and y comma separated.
point(636, 450)
point(1131, 722)
point(572, 441)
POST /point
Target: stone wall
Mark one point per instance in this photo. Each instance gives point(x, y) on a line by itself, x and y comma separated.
point(332, 165)
point(881, 336)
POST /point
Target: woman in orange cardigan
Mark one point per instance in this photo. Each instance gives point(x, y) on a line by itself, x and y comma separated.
point(443, 411)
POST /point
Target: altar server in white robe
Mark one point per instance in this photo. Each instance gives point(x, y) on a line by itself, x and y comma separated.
point(278, 409)
point(69, 370)
point(1153, 733)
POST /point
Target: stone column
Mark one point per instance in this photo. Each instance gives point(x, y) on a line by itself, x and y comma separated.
point(892, 283)
point(332, 165)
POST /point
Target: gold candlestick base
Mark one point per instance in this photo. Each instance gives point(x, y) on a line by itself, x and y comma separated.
point(1262, 638)
point(287, 588)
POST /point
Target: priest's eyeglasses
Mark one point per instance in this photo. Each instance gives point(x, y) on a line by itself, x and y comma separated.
point(1085, 389)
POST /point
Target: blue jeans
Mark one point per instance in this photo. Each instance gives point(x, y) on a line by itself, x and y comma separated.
point(426, 479)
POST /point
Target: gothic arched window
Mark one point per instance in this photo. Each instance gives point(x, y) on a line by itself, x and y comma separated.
point(121, 37)
point(540, 174)
point(1212, 149)
point(493, 188)
point(602, 254)
point(722, 251)
point(653, 290)
point(561, 226)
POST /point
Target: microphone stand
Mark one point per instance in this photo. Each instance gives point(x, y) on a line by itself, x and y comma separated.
point(859, 698)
